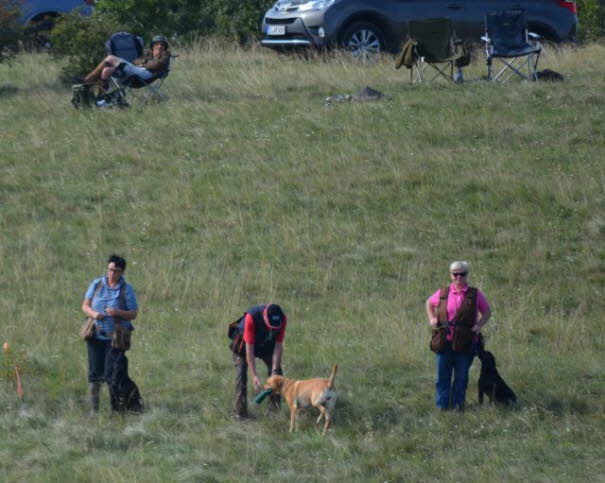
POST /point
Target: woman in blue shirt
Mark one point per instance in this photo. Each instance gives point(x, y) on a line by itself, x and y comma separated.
point(108, 300)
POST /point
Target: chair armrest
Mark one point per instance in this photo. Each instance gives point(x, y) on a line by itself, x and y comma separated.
point(486, 39)
point(458, 41)
point(534, 35)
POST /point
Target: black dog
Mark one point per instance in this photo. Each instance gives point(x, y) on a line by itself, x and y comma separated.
point(123, 392)
point(491, 383)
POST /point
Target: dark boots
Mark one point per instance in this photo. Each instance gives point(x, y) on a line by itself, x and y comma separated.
point(94, 391)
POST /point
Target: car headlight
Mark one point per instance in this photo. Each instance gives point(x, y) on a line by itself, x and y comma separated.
point(315, 5)
point(282, 5)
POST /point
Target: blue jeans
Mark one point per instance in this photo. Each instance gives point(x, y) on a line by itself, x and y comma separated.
point(450, 395)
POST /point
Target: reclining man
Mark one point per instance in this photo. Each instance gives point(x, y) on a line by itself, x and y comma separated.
point(151, 63)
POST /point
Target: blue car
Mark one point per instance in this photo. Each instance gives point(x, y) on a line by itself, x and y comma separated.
point(39, 15)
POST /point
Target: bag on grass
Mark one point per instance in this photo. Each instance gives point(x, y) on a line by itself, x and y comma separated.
point(82, 96)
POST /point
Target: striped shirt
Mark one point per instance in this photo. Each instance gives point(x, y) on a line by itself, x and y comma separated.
point(110, 297)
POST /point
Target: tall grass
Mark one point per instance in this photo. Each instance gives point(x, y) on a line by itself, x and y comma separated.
point(243, 188)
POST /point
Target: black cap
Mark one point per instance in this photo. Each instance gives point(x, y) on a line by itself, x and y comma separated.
point(274, 316)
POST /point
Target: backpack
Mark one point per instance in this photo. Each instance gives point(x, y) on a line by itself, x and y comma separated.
point(82, 96)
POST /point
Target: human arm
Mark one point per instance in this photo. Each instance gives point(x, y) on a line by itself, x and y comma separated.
point(89, 311)
point(122, 314)
point(130, 310)
point(484, 309)
point(431, 308)
point(252, 365)
point(482, 320)
point(277, 353)
point(152, 64)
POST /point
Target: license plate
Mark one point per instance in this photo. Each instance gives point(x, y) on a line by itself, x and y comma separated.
point(276, 30)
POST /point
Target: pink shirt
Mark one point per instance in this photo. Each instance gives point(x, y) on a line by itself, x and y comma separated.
point(454, 300)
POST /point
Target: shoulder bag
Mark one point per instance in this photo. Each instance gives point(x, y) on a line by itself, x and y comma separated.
point(122, 336)
point(88, 329)
point(439, 335)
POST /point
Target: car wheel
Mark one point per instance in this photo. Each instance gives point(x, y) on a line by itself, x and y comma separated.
point(364, 41)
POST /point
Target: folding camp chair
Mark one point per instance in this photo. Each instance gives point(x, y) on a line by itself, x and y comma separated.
point(121, 85)
point(437, 47)
point(508, 40)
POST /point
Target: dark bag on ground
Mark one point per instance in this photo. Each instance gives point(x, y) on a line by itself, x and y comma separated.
point(82, 96)
point(463, 337)
point(123, 392)
point(438, 339)
point(466, 57)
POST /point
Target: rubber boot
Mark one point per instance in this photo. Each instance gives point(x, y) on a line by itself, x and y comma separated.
point(94, 390)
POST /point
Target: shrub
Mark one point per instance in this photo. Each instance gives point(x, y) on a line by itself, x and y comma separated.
point(11, 33)
point(81, 42)
point(591, 18)
point(234, 19)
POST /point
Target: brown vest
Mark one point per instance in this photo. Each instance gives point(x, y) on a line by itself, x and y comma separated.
point(466, 313)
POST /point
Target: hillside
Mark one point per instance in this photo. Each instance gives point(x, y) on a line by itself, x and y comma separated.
point(243, 188)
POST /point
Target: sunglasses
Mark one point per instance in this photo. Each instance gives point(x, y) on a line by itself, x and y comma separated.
point(459, 274)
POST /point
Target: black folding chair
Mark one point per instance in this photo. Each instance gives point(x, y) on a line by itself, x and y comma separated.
point(436, 47)
point(508, 40)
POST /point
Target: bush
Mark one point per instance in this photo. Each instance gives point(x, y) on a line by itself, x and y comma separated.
point(81, 41)
point(591, 18)
point(234, 19)
point(11, 33)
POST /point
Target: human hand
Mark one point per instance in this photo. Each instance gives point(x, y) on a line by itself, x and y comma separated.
point(256, 382)
point(111, 311)
point(99, 316)
point(476, 328)
point(433, 322)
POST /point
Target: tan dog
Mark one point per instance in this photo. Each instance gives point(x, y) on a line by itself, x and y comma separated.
point(319, 393)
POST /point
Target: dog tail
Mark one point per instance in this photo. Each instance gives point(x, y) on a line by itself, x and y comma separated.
point(332, 376)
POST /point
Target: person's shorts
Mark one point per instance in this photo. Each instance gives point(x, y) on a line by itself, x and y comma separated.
point(131, 69)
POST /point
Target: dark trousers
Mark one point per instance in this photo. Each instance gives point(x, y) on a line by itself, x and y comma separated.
point(98, 359)
point(241, 384)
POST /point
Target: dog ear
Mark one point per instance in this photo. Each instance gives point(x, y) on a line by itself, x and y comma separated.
point(279, 382)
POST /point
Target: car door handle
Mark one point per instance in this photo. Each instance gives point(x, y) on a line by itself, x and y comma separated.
point(454, 6)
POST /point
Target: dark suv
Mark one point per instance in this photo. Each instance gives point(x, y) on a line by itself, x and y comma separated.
point(369, 27)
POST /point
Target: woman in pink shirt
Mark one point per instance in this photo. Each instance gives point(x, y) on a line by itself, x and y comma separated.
point(456, 358)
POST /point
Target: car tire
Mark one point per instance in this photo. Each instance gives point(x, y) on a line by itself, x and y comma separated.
point(364, 41)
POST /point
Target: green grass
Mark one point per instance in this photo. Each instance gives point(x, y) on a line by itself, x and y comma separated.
point(244, 188)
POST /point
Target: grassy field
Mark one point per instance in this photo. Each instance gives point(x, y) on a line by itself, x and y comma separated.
point(243, 188)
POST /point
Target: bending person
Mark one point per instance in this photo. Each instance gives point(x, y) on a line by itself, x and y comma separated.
point(258, 334)
point(151, 63)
